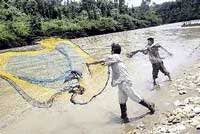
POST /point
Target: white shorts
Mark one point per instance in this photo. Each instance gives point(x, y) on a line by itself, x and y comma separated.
point(125, 91)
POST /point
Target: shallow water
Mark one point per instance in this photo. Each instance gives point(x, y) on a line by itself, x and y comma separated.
point(176, 39)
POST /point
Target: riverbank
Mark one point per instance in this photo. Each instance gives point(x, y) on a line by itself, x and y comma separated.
point(191, 23)
point(19, 32)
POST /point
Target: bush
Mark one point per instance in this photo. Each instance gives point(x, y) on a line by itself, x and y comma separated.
point(152, 18)
point(6, 33)
point(20, 26)
point(126, 22)
point(55, 26)
point(107, 24)
point(101, 25)
point(87, 24)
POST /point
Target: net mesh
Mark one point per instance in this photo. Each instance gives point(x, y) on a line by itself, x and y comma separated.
point(40, 76)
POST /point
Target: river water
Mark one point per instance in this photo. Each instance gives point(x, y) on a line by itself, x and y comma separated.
point(182, 42)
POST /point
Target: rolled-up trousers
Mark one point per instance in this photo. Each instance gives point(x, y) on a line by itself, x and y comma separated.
point(126, 91)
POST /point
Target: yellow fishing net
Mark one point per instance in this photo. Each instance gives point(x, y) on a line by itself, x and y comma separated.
point(57, 69)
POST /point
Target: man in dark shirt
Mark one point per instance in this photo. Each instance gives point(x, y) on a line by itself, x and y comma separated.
point(157, 64)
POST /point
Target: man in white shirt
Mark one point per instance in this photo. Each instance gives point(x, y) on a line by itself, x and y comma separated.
point(120, 78)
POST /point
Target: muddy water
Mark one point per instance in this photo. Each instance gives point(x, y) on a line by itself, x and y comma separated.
point(176, 39)
point(102, 115)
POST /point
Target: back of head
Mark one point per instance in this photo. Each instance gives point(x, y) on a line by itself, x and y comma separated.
point(116, 48)
point(151, 39)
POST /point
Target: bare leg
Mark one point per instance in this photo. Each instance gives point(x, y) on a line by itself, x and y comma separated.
point(155, 72)
point(168, 75)
point(154, 82)
point(164, 71)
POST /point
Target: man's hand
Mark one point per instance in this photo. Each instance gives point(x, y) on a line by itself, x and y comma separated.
point(129, 55)
point(96, 62)
point(170, 54)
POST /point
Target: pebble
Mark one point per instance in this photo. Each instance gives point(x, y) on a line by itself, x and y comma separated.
point(181, 87)
point(195, 121)
point(198, 127)
point(178, 103)
point(196, 110)
point(182, 92)
point(141, 126)
point(191, 115)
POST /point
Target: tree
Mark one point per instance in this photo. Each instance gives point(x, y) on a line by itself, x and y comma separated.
point(145, 5)
point(31, 7)
point(122, 7)
point(89, 6)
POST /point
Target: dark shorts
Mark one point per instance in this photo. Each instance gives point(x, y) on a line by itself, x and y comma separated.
point(159, 67)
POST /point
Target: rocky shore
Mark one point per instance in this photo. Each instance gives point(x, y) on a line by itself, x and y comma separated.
point(184, 118)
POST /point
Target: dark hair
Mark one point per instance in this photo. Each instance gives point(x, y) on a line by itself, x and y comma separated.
point(151, 39)
point(116, 48)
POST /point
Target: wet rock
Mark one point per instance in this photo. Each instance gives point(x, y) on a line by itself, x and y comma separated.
point(179, 80)
point(192, 100)
point(182, 92)
point(189, 77)
point(195, 121)
point(198, 84)
point(171, 119)
point(191, 85)
point(197, 80)
point(181, 87)
point(191, 115)
point(196, 110)
point(161, 129)
point(178, 111)
point(188, 108)
point(141, 126)
point(198, 127)
point(174, 129)
point(178, 103)
point(174, 119)
point(180, 127)
point(133, 132)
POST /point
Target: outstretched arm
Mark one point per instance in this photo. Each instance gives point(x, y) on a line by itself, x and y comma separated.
point(96, 62)
point(170, 54)
point(144, 51)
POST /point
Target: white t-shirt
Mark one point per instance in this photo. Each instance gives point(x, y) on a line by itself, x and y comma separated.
point(119, 70)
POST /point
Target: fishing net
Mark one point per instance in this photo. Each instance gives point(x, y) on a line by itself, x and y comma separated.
point(57, 69)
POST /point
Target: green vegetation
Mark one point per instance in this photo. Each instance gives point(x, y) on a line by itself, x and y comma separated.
point(22, 21)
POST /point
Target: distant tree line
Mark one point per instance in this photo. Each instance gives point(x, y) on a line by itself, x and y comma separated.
point(180, 10)
point(21, 21)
